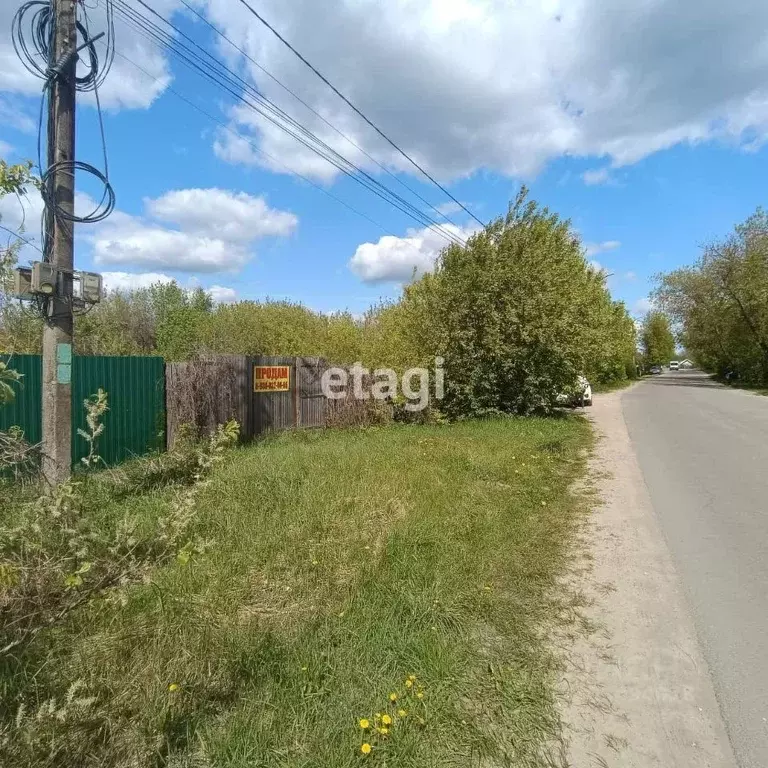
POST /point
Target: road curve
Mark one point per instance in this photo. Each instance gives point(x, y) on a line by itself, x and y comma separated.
point(703, 452)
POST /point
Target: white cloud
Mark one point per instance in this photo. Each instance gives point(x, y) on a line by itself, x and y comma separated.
point(12, 115)
point(125, 87)
point(129, 281)
point(595, 266)
point(596, 176)
point(592, 249)
point(5, 148)
point(236, 217)
point(642, 306)
point(221, 294)
point(216, 231)
point(449, 208)
point(630, 276)
point(473, 84)
point(397, 258)
point(23, 215)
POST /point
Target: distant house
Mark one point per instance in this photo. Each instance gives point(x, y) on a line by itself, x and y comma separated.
point(686, 364)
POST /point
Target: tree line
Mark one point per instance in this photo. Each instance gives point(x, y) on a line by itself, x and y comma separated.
point(517, 314)
point(720, 303)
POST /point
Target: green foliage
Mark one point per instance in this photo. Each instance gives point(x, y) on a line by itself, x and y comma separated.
point(14, 180)
point(8, 377)
point(517, 314)
point(656, 339)
point(95, 408)
point(721, 302)
point(335, 565)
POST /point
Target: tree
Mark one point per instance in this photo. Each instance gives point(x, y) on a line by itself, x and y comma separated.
point(721, 302)
point(517, 314)
point(657, 339)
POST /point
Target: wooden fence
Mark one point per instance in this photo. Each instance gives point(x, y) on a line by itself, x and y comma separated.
point(263, 393)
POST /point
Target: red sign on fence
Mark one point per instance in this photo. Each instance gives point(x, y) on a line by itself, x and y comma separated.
point(271, 378)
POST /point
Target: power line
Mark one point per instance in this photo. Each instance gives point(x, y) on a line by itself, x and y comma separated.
point(221, 75)
point(232, 82)
point(253, 145)
point(355, 109)
point(317, 114)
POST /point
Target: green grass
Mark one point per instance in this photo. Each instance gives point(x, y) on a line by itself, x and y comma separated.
point(338, 564)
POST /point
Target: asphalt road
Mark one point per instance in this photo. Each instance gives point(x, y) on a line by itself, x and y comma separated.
point(703, 452)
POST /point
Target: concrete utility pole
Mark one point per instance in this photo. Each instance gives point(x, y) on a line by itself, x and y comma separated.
point(58, 330)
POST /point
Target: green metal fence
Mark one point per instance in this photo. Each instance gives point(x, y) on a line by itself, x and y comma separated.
point(135, 386)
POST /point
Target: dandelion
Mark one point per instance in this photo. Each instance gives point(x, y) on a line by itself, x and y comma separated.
point(383, 730)
point(412, 678)
point(386, 720)
point(314, 562)
point(402, 713)
point(365, 748)
point(393, 697)
point(173, 687)
point(420, 695)
point(409, 683)
point(365, 724)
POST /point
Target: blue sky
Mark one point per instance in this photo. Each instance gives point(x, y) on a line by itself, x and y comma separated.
point(649, 155)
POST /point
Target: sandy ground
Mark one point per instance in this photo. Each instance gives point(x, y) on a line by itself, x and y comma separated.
point(637, 692)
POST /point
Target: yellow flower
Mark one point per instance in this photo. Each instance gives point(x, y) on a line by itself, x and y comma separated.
point(420, 695)
point(412, 678)
point(383, 731)
point(386, 720)
point(173, 687)
point(402, 713)
point(409, 683)
point(365, 748)
point(393, 697)
point(365, 724)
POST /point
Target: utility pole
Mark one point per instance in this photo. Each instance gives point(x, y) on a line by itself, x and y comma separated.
point(58, 329)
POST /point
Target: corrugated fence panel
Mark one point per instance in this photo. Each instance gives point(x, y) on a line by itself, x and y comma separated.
point(24, 410)
point(135, 387)
point(135, 421)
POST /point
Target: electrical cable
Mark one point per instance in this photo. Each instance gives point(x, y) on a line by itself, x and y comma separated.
point(218, 73)
point(221, 75)
point(356, 110)
point(317, 114)
point(253, 145)
point(32, 34)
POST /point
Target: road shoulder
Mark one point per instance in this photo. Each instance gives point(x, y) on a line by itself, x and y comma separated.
point(637, 692)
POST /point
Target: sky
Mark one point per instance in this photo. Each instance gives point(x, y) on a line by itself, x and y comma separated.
point(644, 122)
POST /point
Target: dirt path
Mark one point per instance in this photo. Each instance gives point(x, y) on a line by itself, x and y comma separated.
point(639, 693)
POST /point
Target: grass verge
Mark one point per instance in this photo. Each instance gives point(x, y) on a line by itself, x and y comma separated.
point(337, 566)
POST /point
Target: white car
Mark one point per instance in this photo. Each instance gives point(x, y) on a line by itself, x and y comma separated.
point(580, 397)
point(674, 365)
